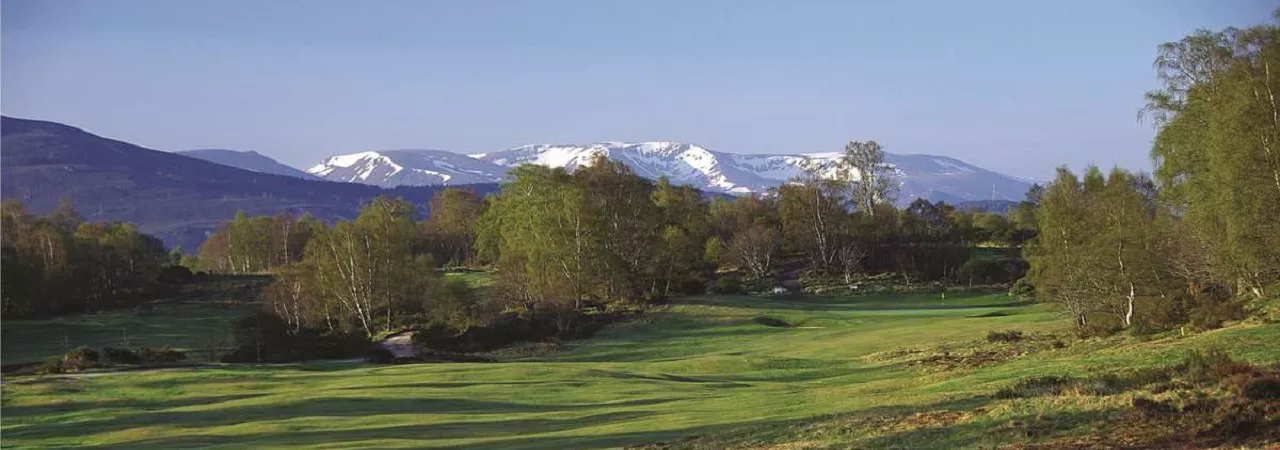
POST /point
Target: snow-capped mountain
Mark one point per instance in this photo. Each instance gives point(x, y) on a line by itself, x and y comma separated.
point(931, 177)
point(408, 168)
point(247, 160)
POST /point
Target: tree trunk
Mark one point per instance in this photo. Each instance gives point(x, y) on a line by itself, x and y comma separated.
point(1128, 315)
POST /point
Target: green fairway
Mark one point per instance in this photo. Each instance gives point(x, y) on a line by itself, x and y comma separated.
point(705, 365)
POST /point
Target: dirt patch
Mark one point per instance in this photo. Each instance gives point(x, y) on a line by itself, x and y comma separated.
point(969, 354)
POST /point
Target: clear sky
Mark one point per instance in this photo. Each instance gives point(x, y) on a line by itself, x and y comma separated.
point(1015, 86)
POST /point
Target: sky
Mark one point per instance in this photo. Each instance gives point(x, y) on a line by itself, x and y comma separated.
point(1014, 86)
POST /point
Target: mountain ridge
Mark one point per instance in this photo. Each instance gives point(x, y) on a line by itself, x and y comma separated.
point(933, 177)
point(175, 197)
point(247, 160)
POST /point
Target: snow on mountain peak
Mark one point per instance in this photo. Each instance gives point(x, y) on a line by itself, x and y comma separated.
point(928, 176)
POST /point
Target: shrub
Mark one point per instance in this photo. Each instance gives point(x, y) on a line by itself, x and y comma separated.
point(1004, 336)
point(380, 355)
point(242, 354)
point(1206, 365)
point(1035, 387)
point(120, 356)
point(1152, 408)
point(49, 367)
point(1149, 376)
point(175, 275)
point(1107, 384)
point(759, 285)
point(80, 358)
point(727, 285)
point(1210, 310)
point(1023, 288)
point(986, 271)
point(161, 355)
point(1265, 388)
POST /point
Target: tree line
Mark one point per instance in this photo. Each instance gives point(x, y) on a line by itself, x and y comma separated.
point(1200, 240)
point(61, 264)
point(562, 246)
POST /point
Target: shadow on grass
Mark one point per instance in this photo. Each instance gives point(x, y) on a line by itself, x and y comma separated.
point(856, 303)
point(517, 429)
point(275, 411)
point(456, 385)
point(12, 412)
point(709, 382)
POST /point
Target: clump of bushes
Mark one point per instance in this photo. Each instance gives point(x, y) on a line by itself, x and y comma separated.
point(1023, 289)
point(1004, 336)
point(161, 355)
point(1036, 387)
point(727, 285)
point(1211, 310)
point(380, 355)
point(1206, 365)
point(50, 367)
point(79, 359)
point(121, 356)
point(759, 285)
point(1265, 388)
point(264, 337)
point(175, 275)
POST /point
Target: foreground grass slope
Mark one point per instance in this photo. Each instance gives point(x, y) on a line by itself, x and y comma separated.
point(740, 371)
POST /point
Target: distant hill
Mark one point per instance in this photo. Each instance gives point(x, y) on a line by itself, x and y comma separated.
point(175, 197)
point(247, 160)
point(991, 206)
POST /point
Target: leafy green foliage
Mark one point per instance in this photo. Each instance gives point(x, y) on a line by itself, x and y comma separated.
point(1218, 154)
point(161, 355)
point(80, 358)
point(450, 231)
point(60, 264)
point(255, 244)
point(113, 355)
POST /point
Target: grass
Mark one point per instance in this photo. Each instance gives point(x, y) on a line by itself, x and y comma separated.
point(841, 373)
point(200, 316)
point(475, 278)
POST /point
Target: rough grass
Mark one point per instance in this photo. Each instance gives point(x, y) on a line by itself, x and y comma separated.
point(841, 376)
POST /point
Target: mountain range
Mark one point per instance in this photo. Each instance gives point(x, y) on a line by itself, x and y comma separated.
point(936, 178)
point(176, 197)
point(181, 197)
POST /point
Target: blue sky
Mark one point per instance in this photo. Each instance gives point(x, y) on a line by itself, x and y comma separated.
point(1015, 86)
